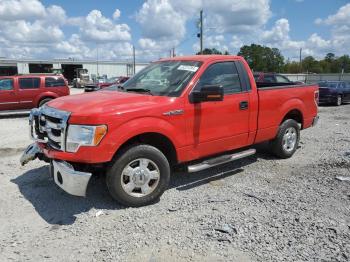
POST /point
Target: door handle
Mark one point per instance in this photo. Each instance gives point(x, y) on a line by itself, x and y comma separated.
point(243, 105)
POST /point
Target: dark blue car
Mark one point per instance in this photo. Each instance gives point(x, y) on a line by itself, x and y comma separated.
point(334, 92)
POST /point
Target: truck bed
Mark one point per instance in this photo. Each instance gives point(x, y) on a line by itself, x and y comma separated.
point(272, 110)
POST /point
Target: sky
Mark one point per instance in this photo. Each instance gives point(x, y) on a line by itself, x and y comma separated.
point(108, 29)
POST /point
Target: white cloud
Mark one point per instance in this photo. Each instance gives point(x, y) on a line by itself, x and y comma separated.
point(165, 20)
point(21, 9)
point(342, 17)
point(159, 20)
point(27, 32)
point(340, 29)
point(116, 14)
point(96, 27)
point(30, 29)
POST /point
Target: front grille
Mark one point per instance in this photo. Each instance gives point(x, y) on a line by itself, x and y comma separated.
point(48, 125)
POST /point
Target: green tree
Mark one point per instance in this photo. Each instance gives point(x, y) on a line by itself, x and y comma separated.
point(310, 64)
point(262, 58)
point(292, 67)
point(210, 51)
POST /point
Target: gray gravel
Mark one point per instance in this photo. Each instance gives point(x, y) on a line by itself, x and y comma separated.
point(258, 209)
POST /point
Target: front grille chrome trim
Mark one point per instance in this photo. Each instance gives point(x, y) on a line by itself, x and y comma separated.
point(45, 125)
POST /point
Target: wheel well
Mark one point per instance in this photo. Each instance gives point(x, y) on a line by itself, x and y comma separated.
point(295, 115)
point(157, 140)
point(43, 98)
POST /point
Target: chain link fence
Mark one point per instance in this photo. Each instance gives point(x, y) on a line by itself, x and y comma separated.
point(314, 78)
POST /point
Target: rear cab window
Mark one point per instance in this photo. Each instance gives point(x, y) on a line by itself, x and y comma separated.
point(6, 84)
point(54, 82)
point(29, 83)
point(282, 79)
point(269, 79)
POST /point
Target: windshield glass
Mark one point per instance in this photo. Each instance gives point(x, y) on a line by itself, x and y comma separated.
point(167, 78)
point(328, 84)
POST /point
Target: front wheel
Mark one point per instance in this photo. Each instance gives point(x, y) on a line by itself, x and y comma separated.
point(287, 140)
point(138, 176)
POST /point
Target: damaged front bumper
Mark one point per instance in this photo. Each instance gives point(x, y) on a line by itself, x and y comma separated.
point(72, 181)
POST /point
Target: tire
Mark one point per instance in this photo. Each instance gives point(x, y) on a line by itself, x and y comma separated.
point(339, 100)
point(287, 140)
point(44, 101)
point(133, 182)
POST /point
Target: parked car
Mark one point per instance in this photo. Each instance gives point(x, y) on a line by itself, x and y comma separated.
point(273, 79)
point(110, 81)
point(29, 91)
point(197, 111)
point(334, 92)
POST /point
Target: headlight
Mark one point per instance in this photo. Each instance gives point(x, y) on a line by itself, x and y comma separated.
point(79, 135)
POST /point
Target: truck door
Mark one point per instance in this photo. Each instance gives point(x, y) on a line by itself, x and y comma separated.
point(8, 98)
point(28, 90)
point(215, 127)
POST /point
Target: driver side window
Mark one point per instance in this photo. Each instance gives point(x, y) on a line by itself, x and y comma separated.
point(223, 74)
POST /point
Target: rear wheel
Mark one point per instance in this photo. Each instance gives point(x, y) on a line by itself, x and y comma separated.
point(339, 101)
point(287, 140)
point(139, 176)
point(44, 101)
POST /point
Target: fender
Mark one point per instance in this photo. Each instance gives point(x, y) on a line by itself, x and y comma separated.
point(292, 104)
point(139, 126)
point(48, 94)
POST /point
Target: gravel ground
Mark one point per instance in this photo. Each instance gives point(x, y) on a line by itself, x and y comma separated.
point(258, 209)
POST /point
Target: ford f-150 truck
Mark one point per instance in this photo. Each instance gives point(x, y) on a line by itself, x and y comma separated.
point(197, 111)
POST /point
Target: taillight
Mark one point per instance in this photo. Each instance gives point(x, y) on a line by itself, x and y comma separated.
point(317, 97)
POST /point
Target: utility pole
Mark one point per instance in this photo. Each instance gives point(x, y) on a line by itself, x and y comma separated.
point(174, 52)
point(201, 31)
point(97, 59)
point(300, 61)
point(134, 59)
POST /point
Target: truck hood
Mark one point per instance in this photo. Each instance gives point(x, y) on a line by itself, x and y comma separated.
point(107, 102)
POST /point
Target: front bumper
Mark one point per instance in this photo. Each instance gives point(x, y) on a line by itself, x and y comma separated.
point(72, 181)
point(315, 121)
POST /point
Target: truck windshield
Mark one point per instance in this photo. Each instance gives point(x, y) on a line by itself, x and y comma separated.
point(166, 78)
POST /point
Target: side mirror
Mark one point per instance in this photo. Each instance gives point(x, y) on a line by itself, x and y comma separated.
point(207, 93)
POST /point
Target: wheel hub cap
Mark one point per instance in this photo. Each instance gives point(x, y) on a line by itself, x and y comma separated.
point(140, 177)
point(289, 139)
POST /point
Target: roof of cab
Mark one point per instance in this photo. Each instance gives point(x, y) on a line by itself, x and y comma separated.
point(202, 58)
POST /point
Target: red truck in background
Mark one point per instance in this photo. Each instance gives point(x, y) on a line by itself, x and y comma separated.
point(29, 91)
point(111, 81)
point(199, 111)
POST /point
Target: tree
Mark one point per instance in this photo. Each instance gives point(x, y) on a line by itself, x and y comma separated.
point(213, 51)
point(310, 64)
point(292, 67)
point(330, 57)
point(263, 58)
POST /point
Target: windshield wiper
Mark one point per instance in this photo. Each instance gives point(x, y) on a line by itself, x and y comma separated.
point(141, 90)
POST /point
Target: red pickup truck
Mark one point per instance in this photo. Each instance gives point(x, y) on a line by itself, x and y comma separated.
point(29, 91)
point(200, 111)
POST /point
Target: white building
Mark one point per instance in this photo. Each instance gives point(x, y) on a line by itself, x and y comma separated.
point(68, 66)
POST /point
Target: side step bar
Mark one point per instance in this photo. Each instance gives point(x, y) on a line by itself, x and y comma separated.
point(219, 160)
